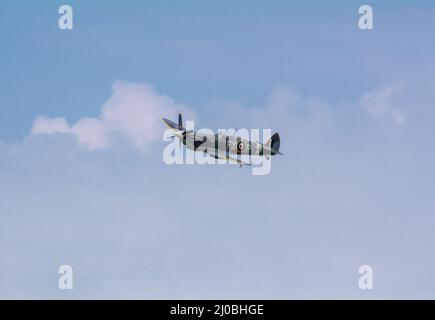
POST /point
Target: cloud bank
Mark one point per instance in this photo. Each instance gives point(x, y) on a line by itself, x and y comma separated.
point(133, 111)
point(350, 187)
point(383, 102)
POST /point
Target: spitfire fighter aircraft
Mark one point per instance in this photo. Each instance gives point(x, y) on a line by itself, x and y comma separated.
point(222, 146)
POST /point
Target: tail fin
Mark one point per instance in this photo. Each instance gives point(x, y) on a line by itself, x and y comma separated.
point(274, 143)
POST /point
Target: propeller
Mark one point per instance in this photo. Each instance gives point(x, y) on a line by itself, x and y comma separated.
point(180, 129)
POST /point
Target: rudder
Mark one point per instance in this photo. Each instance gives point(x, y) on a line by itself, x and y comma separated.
point(276, 142)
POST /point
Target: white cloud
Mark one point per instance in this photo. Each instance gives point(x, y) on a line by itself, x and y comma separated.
point(284, 109)
point(381, 101)
point(133, 111)
point(92, 133)
point(50, 125)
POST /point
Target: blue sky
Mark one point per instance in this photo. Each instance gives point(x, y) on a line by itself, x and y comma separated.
point(354, 110)
point(194, 51)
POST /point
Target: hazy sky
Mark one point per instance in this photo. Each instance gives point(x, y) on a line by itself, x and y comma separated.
point(83, 183)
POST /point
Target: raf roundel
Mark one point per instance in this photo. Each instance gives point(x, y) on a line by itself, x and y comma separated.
point(240, 146)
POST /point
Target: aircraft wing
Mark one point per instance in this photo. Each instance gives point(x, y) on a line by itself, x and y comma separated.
point(224, 156)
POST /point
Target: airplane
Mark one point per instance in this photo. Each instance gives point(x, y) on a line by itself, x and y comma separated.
point(221, 146)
